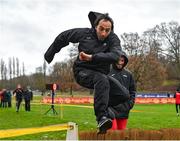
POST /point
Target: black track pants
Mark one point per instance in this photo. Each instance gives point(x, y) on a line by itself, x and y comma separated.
point(100, 83)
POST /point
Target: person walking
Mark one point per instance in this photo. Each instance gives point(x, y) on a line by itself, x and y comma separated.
point(118, 106)
point(18, 93)
point(98, 47)
point(27, 99)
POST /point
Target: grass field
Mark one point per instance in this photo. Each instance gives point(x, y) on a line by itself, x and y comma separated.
point(142, 116)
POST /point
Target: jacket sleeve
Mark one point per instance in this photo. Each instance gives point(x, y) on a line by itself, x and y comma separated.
point(62, 40)
point(128, 105)
point(113, 55)
point(117, 87)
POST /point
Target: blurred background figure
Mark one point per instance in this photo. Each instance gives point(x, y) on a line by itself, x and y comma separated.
point(18, 93)
point(9, 97)
point(4, 98)
point(177, 100)
point(5, 101)
point(1, 98)
point(28, 96)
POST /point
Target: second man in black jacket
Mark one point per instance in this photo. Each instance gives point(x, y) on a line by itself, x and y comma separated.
point(118, 105)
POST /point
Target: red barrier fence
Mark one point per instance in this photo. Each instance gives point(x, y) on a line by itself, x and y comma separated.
point(69, 100)
point(83, 100)
point(155, 100)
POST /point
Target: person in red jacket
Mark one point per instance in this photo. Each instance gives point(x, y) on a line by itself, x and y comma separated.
point(177, 99)
point(2, 98)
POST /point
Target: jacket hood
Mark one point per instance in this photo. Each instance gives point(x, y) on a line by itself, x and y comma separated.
point(93, 16)
point(126, 60)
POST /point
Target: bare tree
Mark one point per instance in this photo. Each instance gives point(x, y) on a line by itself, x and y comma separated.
point(143, 58)
point(17, 67)
point(2, 69)
point(10, 68)
point(44, 69)
point(153, 42)
point(73, 52)
point(132, 43)
point(14, 67)
point(5, 72)
point(170, 34)
point(23, 69)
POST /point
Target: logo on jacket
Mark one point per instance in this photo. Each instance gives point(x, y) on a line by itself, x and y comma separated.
point(113, 75)
point(88, 38)
point(104, 44)
point(124, 75)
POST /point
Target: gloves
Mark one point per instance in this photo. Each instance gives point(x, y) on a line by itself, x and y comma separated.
point(48, 57)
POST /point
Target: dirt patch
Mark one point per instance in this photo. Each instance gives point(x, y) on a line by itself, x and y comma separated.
point(133, 134)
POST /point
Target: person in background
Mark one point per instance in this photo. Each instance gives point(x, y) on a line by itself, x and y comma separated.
point(98, 47)
point(1, 98)
point(121, 107)
point(18, 93)
point(27, 98)
point(6, 98)
point(177, 100)
point(9, 95)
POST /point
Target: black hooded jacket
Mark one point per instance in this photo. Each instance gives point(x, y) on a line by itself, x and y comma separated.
point(124, 76)
point(103, 52)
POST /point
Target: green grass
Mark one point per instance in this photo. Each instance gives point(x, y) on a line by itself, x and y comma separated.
point(154, 116)
point(150, 117)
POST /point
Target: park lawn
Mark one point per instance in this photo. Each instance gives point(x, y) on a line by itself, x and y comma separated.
point(147, 116)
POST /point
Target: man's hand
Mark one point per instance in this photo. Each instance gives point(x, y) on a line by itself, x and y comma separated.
point(85, 57)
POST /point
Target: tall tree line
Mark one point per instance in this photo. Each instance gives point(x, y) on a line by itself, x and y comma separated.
point(155, 55)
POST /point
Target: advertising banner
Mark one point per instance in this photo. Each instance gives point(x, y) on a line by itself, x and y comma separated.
point(90, 100)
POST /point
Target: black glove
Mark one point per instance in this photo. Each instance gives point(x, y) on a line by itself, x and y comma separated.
point(48, 57)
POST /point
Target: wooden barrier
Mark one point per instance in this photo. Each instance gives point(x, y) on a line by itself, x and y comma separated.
point(133, 134)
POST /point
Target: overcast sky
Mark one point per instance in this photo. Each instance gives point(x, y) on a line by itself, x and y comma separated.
point(28, 27)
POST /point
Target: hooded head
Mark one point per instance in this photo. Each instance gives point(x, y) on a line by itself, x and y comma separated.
point(123, 60)
point(102, 23)
point(95, 17)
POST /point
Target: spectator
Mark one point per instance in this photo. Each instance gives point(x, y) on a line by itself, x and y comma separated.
point(121, 107)
point(1, 97)
point(5, 101)
point(27, 98)
point(18, 93)
point(9, 95)
point(177, 99)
